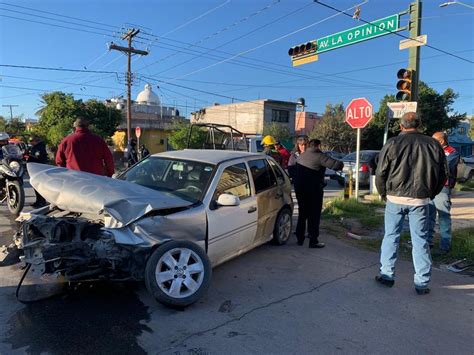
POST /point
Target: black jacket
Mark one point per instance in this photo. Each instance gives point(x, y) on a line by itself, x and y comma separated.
point(38, 154)
point(311, 167)
point(411, 165)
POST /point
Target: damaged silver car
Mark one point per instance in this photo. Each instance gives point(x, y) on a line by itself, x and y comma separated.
point(167, 220)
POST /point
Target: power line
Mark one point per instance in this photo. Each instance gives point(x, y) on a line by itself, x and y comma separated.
point(59, 26)
point(267, 43)
point(392, 32)
point(196, 18)
point(59, 15)
point(216, 33)
point(58, 69)
point(53, 19)
point(242, 36)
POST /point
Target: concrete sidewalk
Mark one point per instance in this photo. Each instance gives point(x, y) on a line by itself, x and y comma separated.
point(462, 209)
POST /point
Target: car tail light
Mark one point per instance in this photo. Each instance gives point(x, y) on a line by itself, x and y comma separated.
point(364, 168)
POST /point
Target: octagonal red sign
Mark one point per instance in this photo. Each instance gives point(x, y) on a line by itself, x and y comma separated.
point(359, 112)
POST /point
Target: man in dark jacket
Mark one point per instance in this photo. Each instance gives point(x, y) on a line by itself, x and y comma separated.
point(37, 154)
point(85, 151)
point(411, 171)
point(441, 204)
point(309, 184)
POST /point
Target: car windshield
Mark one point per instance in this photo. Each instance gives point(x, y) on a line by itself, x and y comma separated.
point(183, 178)
point(364, 156)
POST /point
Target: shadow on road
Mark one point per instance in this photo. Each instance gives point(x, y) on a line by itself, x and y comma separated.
point(100, 318)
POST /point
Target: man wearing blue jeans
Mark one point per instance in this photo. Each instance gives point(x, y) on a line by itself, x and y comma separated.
point(441, 205)
point(411, 171)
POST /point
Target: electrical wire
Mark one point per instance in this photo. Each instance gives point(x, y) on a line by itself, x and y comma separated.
point(59, 15)
point(268, 43)
point(233, 40)
point(196, 18)
point(57, 69)
point(343, 12)
point(216, 33)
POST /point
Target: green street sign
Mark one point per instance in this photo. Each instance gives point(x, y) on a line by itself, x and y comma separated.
point(357, 34)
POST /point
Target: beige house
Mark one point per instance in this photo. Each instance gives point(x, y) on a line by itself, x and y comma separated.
point(155, 120)
point(249, 117)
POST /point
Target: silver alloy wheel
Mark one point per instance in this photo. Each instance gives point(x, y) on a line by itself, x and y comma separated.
point(179, 272)
point(284, 227)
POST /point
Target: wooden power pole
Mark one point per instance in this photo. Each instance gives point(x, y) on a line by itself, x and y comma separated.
point(11, 110)
point(129, 51)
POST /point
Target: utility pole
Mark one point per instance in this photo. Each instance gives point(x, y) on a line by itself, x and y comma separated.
point(11, 110)
point(414, 26)
point(129, 51)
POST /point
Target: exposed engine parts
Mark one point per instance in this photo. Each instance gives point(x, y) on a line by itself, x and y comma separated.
point(74, 247)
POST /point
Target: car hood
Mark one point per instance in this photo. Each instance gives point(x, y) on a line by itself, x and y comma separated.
point(119, 202)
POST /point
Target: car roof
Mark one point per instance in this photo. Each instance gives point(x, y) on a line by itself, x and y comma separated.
point(207, 155)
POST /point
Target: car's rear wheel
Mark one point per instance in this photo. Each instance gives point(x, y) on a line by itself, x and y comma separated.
point(283, 226)
point(178, 273)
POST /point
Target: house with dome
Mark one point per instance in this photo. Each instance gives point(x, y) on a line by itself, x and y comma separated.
point(155, 120)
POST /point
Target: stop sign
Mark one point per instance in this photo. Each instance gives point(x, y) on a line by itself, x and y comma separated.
point(138, 132)
point(359, 113)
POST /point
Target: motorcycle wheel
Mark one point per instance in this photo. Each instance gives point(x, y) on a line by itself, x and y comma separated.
point(15, 197)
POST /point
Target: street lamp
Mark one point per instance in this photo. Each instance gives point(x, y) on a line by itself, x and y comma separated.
point(444, 4)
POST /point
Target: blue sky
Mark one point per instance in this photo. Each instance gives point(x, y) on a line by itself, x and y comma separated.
point(257, 28)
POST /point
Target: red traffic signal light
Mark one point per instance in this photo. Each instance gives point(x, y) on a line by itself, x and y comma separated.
point(303, 49)
point(404, 84)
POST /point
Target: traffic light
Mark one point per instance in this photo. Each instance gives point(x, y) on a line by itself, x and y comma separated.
point(303, 49)
point(404, 85)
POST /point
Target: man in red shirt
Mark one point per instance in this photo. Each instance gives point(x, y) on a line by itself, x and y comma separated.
point(85, 151)
point(285, 154)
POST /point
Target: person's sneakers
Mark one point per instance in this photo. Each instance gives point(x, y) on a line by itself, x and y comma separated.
point(383, 281)
point(422, 291)
point(316, 244)
point(300, 240)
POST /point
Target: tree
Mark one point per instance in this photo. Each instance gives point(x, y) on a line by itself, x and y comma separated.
point(104, 119)
point(15, 126)
point(3, 124)
point(435, 110)
point(179, 137)
point(60, 110)
point(333, 131)
point(277, 130)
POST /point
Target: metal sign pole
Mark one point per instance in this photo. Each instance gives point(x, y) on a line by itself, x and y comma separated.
point(357, 165)
point(385, 133)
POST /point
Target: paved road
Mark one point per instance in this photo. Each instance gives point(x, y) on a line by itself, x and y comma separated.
point(287, 299)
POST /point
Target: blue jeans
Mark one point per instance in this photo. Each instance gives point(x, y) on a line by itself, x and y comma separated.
point(419, 223)
point(441, 205)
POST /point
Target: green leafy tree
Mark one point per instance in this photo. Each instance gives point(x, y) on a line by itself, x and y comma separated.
point(104, 119)
point(333, 131)
point(3, 124)
point(60, 110)
point(277, 130)
point(435, 110)
point(179, 137)
point(15, 127)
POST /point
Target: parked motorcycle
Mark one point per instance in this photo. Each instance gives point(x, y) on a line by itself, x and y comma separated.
point(11, 178)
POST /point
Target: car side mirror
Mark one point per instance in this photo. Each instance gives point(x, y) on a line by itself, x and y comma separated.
point(228, 200)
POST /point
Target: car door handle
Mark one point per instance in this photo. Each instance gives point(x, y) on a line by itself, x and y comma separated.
point(252, 209)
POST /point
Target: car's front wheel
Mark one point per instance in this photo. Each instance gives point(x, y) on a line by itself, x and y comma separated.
point(178, 273)
point(283, 226)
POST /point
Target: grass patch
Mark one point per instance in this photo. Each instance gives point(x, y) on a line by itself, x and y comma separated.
point(462, 246)
point(465, 186)
point(365, 212)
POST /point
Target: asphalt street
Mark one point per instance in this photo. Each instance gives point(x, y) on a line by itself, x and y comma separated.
point(272, 300)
